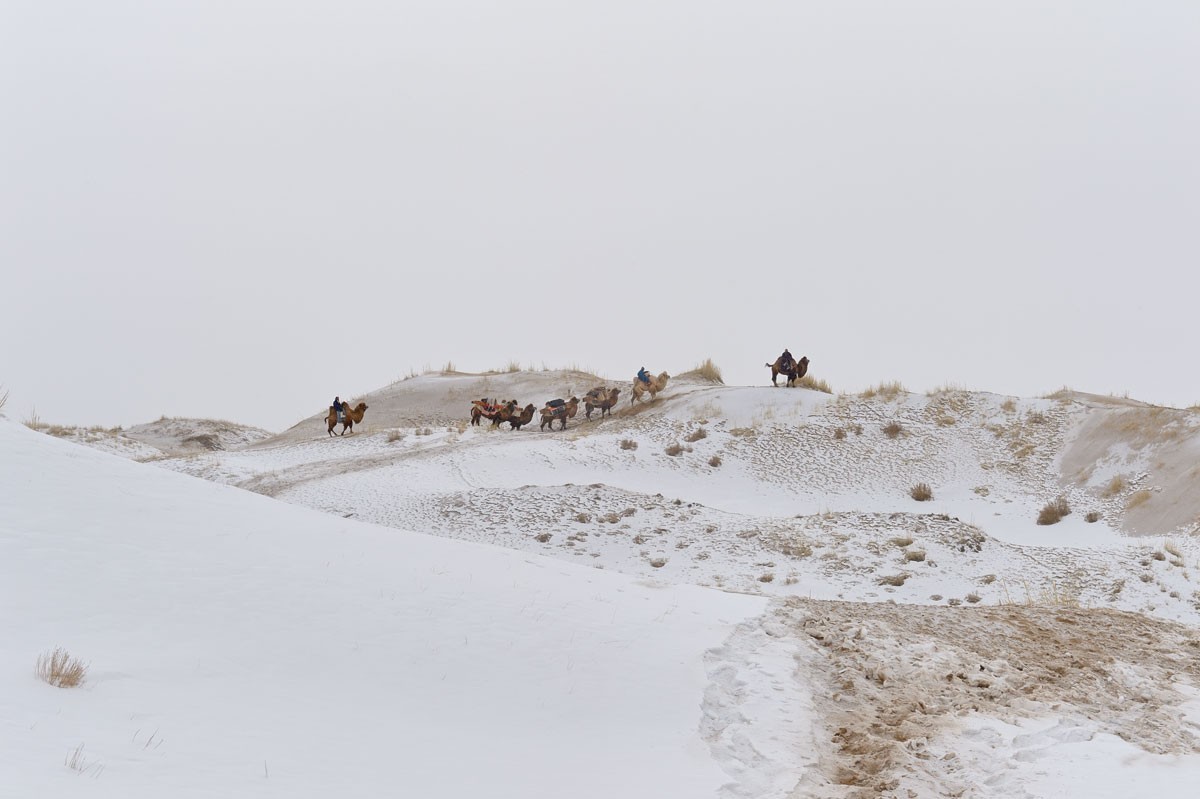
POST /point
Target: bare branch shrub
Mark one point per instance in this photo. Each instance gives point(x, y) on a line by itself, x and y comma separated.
point(698, 434)
point(1053, 512)
point(714, 461)
point(840, 433)
point(921, 492)
point(674, 450)
point(1092, 516)
point(707, 370)
point(893, 429)
point(628, 443)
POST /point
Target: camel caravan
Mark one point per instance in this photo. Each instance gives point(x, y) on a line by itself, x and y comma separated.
point(600, 398)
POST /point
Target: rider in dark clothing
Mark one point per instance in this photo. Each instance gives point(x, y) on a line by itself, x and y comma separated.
point(338, 407)
point(786, 361)
point(643, 376)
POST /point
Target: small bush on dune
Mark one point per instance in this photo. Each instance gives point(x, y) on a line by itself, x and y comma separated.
point(706, 370)
point(1138, 498)
point(921, 492)
point(1053, 512)
point(1092, 517)
point(808, 381)
point(893, 429)
point(628, 443)
point(699, 434)
point(1115, 486)
point(60, 669)
point(714, 461)
point(840, 433)
point(887, 391)
point(395, 435)
point(674, 450)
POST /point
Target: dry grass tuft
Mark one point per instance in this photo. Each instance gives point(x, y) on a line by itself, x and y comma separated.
point(840, 433)
point(893, 429)
point(395, 435)
point(887, 391)
point(512, 366)
point(77, 762)
point(714, 461)
point(921, 492)
point(810, 382)
point(1008, 406)
point(706, 370)
point(902, 541)
point(1115, 486)
point(658, 563)
point(697, 435)
point(916, 555)
point(628, 443)
point(1138, 498)
point(1172, 548)
point(766, 578)
point(3, 397)
point(1053, 512)
point(60, 669)
point(448, 368)
point(542, 537)
point(34, 422)
point(1092, 517)
point(893, 579)
point(674, 450)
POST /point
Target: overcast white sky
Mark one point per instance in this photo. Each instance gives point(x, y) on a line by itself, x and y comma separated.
point(239, 209)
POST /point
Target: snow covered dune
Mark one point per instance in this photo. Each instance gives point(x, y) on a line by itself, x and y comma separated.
point(240, 646)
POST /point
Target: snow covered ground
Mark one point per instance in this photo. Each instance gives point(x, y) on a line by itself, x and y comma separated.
point(726, 592)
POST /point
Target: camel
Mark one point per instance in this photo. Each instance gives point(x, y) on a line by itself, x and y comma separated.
point(654, 386)
point(562, 411)
point(516, 421)
point(350, 417)
point(600, 398)
point(487, 409)
point(505, 413)
point(798, 370)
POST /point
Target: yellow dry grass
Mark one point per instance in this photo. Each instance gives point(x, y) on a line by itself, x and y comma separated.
point(1138, 498)
point(706, 370)
point(888, 391)
point(808, 381)
point(60, 669)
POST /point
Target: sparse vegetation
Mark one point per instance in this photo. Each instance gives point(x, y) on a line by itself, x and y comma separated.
point(706, 370)
point(1035, 417)
point(697, 434)
point(893, 429)
point(887, 391)
point(1092, 517)
point(914, 555)
point(583, 518)
point(1009, 405)
point(840, 433)
point(766, 578)
point(448, 368)
point(512, 366)
point(1173, 549)
point(34, 422)
point(1115, 486)
point(893, 579)
point(921, 492)
point(1053, 512)
point(973, 598)
point(714, 461)
point(810, 382)
point(60, 669)
point(542, 537)
point(628, 443)
point(674, 450)
point(395, 435)
point(1138, 498)
point(77, 762)
point(902, 541)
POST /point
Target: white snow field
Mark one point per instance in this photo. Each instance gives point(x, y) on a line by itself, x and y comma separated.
point(763, 612)
point(240, 646)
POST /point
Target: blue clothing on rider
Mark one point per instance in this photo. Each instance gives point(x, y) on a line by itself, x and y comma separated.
point(337, 404)
point(645, 378)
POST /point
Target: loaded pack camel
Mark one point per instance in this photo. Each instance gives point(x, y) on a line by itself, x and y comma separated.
point(560, 410)
point(600, 398)
point(654, 386)
point(793, 372)
point(517, 420)
point(489, 409)
point(350, 417)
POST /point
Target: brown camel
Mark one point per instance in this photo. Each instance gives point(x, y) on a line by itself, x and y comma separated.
point(798, 370)
point(506, 412)
point(350, 417)
point(487, 409)
point(516, 421)
point(600, 398)
point(654, 386)
point(562, 411)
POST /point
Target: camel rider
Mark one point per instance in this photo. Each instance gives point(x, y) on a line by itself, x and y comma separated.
point(339, 409)
point(786, 361)
point(643, 376)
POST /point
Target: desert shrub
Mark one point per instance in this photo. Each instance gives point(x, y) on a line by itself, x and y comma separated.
point(1159, 556)
point(1035, 417)
point(542, 537)
point(34, 422)
point(888, 391)
point(902, 541)
point(1115, 486)
point(857, 428)
point(914, 555)
point(810, 382)
point(628, 443)
point(698, 434)
point(513, 366)
point(1138, 498)
point(658, 563)
point(893, 429)
point(1008, 406)
point(674, 450)
point(921, 492)
point(583, 518)
point(395, 435)
point(706, 370)
point(840, 433)
point(973, 598)
point(448, 368)
point(766, 578)
point(60, 669)
point(1092, 516)
point(1053, 512)
point(893, 579)
point(714, 461)
point(987, 579)
point(1173, 548)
